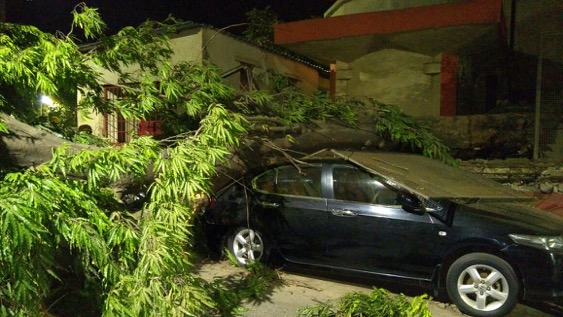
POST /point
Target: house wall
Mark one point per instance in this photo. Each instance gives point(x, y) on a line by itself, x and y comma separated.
point(90, 118)
point(409, 80)
point(227, 52)
point(188, 46)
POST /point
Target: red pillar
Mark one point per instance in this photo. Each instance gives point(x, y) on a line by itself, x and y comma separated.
point(448, 87)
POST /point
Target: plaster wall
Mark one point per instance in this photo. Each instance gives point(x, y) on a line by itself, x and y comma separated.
point(346, 7)
point(394, 77)
point(93, 119)
point(534, 21)
point(228, 52)
point(188, 46)
point(485, 136)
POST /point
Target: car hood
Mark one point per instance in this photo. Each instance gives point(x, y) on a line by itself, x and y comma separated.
point(428, 178)
point(520, 218)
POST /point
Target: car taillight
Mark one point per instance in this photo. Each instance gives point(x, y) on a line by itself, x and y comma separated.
point(211, 202)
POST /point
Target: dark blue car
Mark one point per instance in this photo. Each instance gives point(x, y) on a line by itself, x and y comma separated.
point(396, 216)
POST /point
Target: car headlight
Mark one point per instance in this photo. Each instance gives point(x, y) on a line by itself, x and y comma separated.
point(550, 243)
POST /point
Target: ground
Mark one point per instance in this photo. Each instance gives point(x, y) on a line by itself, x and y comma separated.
point(299, 290)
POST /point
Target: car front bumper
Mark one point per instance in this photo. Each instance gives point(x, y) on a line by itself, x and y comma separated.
point(541, 272)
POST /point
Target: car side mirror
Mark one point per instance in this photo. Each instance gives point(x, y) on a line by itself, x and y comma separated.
point(410, 203)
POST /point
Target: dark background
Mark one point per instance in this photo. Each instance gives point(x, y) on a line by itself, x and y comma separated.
point(54, 15)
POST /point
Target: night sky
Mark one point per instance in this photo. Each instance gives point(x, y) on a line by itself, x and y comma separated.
point(53, 15)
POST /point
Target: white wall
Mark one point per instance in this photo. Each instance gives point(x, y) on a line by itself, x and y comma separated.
point(187, 46)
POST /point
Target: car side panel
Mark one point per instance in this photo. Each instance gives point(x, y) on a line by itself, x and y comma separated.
point(297, 226)
point(385, 239)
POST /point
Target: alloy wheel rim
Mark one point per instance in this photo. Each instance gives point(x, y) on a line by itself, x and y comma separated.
point(483, 287)
point(248, 246)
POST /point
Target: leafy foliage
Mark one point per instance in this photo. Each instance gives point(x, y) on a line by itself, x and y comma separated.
point(85, 137)
point(292, 106)
point(39, 211)
point(33, 62)
point(378, 303)
point(261, 26)
point(140, 264)
point(135, 265)
point(393, 124)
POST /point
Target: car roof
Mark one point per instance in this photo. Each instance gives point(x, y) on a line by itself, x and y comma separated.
point(425, 177)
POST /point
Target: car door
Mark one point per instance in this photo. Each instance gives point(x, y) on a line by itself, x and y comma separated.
point(288, 198)
point(369, 231)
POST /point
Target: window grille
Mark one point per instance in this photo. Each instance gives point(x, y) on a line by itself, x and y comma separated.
point(119, 130)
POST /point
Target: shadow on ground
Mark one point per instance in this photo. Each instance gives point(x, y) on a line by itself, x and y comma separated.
point(232, 287)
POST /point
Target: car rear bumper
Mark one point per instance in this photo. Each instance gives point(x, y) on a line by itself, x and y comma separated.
point(541, 272)
point(216, 238)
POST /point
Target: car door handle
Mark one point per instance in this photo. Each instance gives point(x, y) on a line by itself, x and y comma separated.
point(343, 213)
point(269, 204)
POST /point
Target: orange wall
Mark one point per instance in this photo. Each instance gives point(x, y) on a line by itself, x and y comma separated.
point(388, 22)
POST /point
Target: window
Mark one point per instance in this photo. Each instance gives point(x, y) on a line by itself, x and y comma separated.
point(357, 185)
point(152, 126)
point(116, 128)
point(245, 77)
point(289, 180)
point(119, 130)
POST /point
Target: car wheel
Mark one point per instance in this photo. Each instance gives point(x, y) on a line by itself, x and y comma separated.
point(247, 245)
point(482, 284)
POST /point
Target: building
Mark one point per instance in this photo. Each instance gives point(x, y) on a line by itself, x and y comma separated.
point(245, 65)
point(431, 57)
point(443, 58)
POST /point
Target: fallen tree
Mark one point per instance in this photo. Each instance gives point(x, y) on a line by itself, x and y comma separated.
point(267, 141)
point(62, 204)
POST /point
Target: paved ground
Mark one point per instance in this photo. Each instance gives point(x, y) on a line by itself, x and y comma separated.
point(300, 290)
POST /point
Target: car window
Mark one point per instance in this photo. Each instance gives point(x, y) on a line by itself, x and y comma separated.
point(290, 180)
point(357, 185)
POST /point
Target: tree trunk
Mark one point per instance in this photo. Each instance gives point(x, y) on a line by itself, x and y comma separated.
point(274, 146)
point(27, 146)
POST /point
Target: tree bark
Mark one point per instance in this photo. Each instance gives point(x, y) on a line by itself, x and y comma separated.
point(27, 146)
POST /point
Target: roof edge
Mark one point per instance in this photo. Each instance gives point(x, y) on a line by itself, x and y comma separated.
point(471, 12)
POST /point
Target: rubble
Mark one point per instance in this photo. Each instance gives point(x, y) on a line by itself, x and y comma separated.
point(541, 179)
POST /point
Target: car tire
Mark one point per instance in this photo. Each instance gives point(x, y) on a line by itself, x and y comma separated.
point(247, 246)
point(496, 291)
